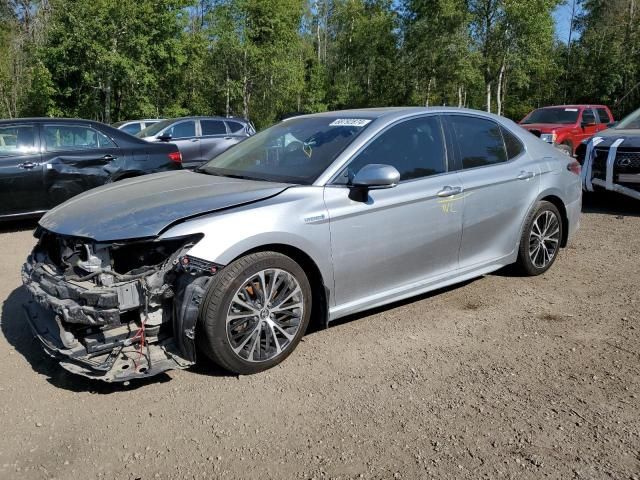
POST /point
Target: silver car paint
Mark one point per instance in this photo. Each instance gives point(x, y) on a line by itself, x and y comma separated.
point(373, 253)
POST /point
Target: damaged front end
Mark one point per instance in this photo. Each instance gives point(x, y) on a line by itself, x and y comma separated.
point(116, 311)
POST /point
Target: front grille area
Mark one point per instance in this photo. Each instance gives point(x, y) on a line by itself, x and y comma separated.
point(627, 161)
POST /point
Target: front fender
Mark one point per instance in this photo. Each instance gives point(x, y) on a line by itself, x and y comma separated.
point(296, 218)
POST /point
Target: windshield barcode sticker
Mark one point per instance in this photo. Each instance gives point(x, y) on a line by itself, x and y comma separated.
point(350, 122)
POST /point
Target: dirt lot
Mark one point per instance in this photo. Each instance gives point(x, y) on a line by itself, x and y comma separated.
point(502, 377)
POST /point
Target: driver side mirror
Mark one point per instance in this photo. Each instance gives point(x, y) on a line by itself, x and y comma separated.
point(587, 123)
point(376, 176)
point(165, 137)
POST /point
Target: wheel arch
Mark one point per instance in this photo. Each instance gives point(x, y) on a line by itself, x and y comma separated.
point(559, 204)
point(320, 291)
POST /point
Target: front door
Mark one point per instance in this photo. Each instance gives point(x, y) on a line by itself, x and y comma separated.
point(394, 240)
point(21, 171)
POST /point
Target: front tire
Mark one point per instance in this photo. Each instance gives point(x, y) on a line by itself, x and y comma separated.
point(540, 241)
point(255, 313)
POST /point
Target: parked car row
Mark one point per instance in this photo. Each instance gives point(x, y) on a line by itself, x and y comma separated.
point(45, 161)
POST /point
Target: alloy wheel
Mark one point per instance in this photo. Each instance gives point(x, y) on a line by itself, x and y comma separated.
point(544, 239)
point(265, 315)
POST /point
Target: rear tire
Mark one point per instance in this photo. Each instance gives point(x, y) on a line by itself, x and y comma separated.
point(255, 312)
point(540, 240)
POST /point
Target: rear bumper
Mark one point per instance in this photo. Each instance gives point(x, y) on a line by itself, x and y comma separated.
point(574, 210)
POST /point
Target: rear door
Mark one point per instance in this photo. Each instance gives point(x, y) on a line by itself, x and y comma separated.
point(604, 118)
point(500, 183)
point(215, 138)
point(21, 170)
point(77, 158)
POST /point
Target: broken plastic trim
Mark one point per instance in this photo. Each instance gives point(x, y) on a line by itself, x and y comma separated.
point(121, 331)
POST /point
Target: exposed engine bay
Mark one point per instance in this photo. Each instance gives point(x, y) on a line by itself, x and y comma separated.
point(116, 311)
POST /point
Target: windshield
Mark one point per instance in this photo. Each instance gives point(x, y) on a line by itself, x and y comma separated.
point(566, 115)
point(631, 121)
point(293, 151)
point(154, 129)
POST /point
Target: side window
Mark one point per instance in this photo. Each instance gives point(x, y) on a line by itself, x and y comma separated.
point(479, 141)
point(132, 128)
point(104, 141)
point(72, 137)
point(17, 140)
point(182, 129)
point(514, 146)
point(212, 127)
point(415, 147)
point(235, 127)
point(588, 117)
point(604, 115)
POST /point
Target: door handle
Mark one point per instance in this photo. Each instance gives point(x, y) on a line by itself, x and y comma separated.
point(193, 140)
point(228, 138)
point(525, 175)
point(449, 191)
point(28, 165)
point(109, 157)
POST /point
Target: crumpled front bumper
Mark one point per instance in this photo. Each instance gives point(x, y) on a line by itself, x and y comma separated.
point(122, 363)
point(84, 329)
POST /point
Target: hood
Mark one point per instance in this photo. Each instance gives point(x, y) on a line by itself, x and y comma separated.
point(631, 137)
point(145, 206)
point(545, 127)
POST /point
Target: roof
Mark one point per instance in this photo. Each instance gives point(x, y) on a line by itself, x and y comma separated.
point(394, 113)
point(580, 105)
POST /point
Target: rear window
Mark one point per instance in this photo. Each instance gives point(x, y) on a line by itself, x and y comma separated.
point(235, 127)
point(604, 115)
point(479, 141)
point(514, 146)
point(212, 127)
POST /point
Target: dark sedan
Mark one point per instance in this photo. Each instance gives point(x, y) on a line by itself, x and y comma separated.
point(45, 161)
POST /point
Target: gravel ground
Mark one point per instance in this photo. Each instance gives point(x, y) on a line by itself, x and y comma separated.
point(502, 377)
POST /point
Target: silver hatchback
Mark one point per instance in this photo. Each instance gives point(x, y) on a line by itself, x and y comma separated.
point(315, 218)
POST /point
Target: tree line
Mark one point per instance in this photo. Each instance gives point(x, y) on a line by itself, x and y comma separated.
point(112, 60)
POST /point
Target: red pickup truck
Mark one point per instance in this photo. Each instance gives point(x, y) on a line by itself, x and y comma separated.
point(566, 126)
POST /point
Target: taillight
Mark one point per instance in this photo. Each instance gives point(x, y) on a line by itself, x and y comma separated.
point(574, 167)
point(175, 157)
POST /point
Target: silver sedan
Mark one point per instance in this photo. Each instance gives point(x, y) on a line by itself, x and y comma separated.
point(315, 218)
